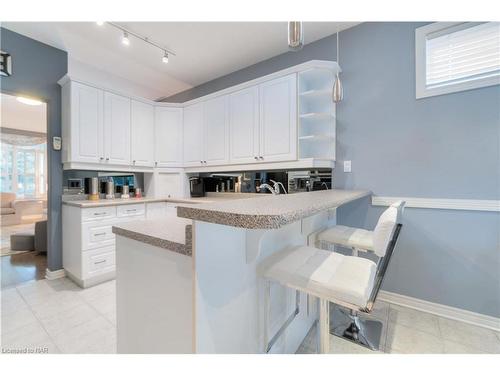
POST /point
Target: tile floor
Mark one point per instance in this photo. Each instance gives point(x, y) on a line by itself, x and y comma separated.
point(59, 317)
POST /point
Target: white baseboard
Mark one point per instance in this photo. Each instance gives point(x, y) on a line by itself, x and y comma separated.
point(448, 312)
point(52, 275)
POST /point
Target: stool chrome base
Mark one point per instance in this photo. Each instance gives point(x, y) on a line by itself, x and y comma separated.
point(359, 330)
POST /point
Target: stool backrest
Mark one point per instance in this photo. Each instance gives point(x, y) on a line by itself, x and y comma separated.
point(385, 227)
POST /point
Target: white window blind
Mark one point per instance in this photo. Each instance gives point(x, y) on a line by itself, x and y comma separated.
point(462, 53)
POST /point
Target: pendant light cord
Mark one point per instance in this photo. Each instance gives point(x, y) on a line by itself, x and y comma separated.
point(338, 53)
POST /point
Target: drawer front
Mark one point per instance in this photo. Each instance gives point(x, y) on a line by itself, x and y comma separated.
point(98, 234)
point(98, 213)
point(98, 261)
point(127, 210)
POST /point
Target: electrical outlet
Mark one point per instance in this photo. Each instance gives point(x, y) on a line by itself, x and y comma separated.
point(347, 166)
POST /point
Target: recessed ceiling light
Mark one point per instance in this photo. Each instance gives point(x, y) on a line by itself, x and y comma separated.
point(100, 23)
point(28, 101)
point(165, 58)
point(125, 39)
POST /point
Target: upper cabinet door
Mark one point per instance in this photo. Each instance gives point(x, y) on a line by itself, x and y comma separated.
point(168, 137)
point(278, 119)
point(116, 129)
point(244, 125)
point(216, 131)
point(86, 122)
point(193, 135)
point(142, 134)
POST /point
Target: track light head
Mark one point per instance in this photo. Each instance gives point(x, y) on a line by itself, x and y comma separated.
point(165, 58)
point(125, 39)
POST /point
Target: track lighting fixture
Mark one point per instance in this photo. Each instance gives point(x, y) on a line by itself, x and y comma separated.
point(165, 58)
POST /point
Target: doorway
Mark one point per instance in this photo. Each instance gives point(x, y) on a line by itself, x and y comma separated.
point(23, 189)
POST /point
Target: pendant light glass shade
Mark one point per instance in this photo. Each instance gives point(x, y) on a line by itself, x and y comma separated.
point(295, 35)
point(338, 89)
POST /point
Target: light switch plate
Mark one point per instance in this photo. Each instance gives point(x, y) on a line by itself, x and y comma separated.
point(347, 166)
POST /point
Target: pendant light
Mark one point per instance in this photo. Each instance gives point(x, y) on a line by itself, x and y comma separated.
point(295, 36)
point(338, 90)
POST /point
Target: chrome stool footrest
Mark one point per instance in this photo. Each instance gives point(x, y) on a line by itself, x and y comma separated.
point(364, 332)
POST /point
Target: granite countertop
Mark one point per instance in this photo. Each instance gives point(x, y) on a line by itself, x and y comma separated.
point(174, 234)
point(269, 212)
point(209, 198)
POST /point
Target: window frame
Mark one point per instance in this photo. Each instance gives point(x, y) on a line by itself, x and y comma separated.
point(421, 89)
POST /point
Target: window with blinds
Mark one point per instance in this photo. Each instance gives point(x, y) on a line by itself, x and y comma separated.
point(457, 56)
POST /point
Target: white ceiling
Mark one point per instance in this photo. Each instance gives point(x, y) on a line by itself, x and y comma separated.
point(20, 116)
point(205, 50)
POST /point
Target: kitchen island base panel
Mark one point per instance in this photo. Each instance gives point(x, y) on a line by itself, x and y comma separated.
point(229, 293)
point(154, 293)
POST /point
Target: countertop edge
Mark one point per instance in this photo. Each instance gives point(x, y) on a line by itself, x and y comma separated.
point(253, 221)
point(183, 249)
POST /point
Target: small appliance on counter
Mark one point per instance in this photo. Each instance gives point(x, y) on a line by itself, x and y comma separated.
point(196, 187)
point(125, 192)
point(92, 188)
point(138, 192)
point(110, 189)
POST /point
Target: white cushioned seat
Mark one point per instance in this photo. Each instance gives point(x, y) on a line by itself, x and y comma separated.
point(322, 273)
point(348, 237)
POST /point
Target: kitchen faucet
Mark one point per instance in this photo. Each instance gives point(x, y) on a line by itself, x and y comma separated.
point(270, 188)
point(275, 189)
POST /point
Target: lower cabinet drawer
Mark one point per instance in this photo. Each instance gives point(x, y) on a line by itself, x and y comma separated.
point(128, 210)
point(98, 261)
point(97, 234)
point(98, 213)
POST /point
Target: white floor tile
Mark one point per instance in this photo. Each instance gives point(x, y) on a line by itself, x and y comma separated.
point(414, 319)
point(472, 336)
point(90, 337)
point(11, 301)
point(20, 317)
point(56, 303)
point(27, 336)
point(451, 347)
point(105, 289)
point(407, 340)
point(105, 304)
point(64, 320)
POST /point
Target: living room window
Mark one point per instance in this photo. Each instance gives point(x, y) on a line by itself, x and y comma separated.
point(24, 169)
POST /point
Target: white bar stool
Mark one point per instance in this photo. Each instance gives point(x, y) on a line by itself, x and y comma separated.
point(349, 281)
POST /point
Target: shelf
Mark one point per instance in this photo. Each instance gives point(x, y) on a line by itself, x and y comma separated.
point(316, 93)
point(317, 137)
point(317, 116)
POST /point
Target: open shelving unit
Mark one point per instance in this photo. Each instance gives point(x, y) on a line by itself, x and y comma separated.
point(317, 122)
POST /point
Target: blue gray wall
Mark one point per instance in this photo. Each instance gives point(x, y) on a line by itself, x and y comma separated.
point(439, 147)
point(36, 69)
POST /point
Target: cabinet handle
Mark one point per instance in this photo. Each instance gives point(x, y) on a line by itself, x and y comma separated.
point(99, 213)
point(201, 161)
point(101, 158)
point(156, 163)
point(256, 158)
point(261, 157)
point(101, 261)
point(107, 159)
point(134, 161)
point(100, 234)
point(132, 210)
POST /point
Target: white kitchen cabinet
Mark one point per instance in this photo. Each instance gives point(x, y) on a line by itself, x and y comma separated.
point(116, 129)
point(244, 126)
point(89, 241)
point(216, 131)
point(83, 123)
point(142, 134)
point(193, 135)
point(168, 137)
point(278, 119)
